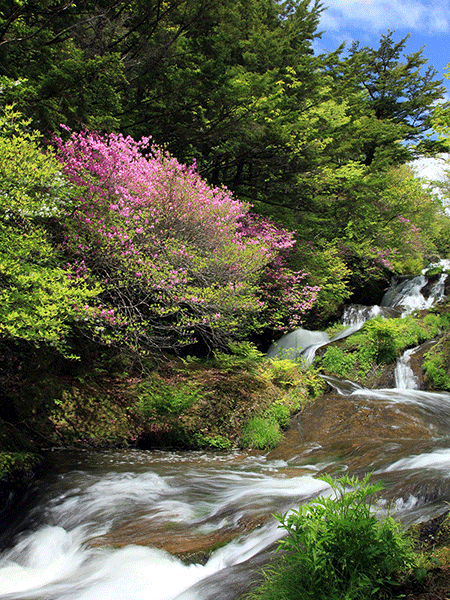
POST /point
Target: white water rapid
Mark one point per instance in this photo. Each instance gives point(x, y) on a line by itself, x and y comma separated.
point(196, 493)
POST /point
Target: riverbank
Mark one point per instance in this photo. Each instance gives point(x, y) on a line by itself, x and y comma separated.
point(432, 539)
point(236, 400)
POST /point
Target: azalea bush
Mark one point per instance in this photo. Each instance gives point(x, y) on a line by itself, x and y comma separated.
point(286, 296)
point(177, 259)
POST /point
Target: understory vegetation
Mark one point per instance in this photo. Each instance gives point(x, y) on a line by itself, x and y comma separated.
point(363, 356)
point(238, 399)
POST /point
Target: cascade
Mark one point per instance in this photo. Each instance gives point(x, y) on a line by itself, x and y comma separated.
point(407, 293)
point(356, 315)
point(293, 344)
point(404, 375)
point(403, 297)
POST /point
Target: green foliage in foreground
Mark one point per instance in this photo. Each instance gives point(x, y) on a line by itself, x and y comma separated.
point(337, 549)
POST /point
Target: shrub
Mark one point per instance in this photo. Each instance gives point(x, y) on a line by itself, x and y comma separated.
point(261, 433)
point(381, 337)
point(39, 303)
point(242, 356)
point(436, 365)
point(283, 372)
point(336, 548)
point(280, 413)
point(392, 336)
point(217, 442)
point(14, 462)
point(336, 360)
point(179, 261)
point(162, 405)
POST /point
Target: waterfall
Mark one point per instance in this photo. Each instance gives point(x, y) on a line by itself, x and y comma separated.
point(438, 290)
point(294, 344)
point(404, 375)
point(356, 315)
point(402, 298)
point(408, 295)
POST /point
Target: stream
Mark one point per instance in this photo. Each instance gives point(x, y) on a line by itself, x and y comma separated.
point(109, 525)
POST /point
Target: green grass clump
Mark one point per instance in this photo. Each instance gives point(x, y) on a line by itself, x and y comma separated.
point(261, 433)
point(337, 549)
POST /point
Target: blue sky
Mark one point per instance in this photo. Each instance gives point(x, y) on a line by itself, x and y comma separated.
point(427, 22)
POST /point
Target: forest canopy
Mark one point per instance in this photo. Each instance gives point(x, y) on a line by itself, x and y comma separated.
point(187, 173)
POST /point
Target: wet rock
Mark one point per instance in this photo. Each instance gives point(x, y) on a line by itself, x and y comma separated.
point(189, 543)
point(363, 433)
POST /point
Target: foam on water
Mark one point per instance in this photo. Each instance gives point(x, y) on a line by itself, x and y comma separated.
point(57, 562)
point(437, 459)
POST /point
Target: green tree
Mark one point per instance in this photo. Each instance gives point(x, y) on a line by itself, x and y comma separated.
point(55, 50)
point(440, 118)
point(231, 84)
point(38, 302)
point(399, 91)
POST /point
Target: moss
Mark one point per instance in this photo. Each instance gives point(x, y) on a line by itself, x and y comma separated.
point(437, 365)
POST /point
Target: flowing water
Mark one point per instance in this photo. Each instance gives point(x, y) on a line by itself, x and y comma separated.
point(111, 525)
point(404, 375)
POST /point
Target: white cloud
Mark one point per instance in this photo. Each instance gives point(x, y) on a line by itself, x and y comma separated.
point(378, 15)
point(434, 169)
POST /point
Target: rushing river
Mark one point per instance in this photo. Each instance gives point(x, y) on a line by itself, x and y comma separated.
point(110, 525)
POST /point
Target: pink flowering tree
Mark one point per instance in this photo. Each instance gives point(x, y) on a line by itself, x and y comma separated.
point(286, 297)
point(177, 260)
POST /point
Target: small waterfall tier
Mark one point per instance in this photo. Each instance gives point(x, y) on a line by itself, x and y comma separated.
point(293, 344)
point(417, 293)
point(405, 295)
point(404, 375)
point(355, 315)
